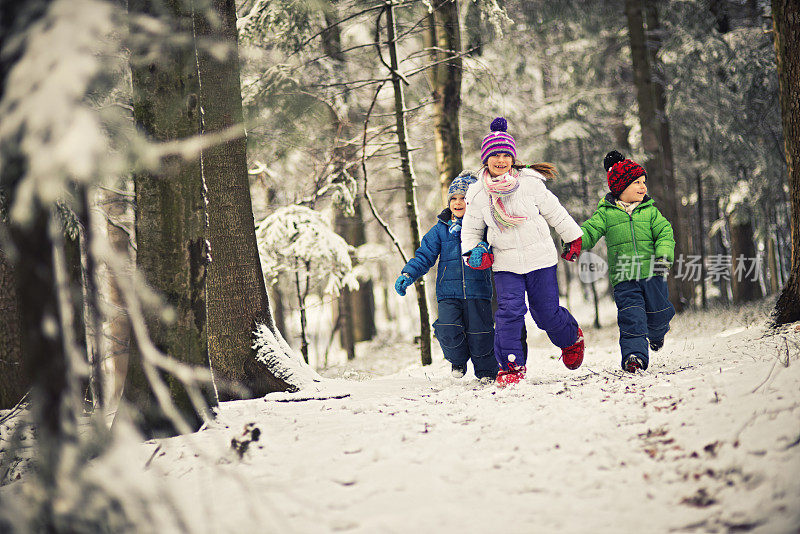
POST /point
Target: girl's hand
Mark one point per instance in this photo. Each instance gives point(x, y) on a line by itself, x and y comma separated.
point(572, 250)
point(480, 257)
point(402, 283)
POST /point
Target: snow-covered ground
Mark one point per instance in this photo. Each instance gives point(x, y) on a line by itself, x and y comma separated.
point(707, 440)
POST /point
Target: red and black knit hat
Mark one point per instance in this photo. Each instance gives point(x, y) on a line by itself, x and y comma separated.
point(621, 172)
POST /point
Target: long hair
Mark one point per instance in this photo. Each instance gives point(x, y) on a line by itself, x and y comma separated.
point(548, 170)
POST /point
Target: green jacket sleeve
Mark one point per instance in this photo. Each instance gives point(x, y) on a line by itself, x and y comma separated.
point(593, 229)
point(662, 236)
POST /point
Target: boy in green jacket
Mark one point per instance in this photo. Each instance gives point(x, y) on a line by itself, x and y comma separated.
point(640, 251)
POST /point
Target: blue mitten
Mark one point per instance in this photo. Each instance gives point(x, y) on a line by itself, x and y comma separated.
point(402, 283)
point(477, 260)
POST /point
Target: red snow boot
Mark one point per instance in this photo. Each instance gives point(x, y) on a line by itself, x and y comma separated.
point(572, 356)
point(512, 376)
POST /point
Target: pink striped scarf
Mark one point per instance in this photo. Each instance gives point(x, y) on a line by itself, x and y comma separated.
point(499, 189)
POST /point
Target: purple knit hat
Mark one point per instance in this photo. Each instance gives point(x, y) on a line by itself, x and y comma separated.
point(498, 141)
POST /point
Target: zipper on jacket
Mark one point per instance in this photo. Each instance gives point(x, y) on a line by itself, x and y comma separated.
point(463, 279)
point(633, 232)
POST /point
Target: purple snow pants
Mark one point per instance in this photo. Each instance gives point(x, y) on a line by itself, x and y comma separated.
point(542, 288)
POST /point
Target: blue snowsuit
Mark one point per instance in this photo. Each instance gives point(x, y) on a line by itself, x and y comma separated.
point(464, 328)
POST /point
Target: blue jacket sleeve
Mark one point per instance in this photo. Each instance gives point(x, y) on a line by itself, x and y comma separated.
point(426, 255)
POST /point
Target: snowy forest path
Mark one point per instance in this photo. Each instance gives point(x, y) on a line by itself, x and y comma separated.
point(706, 440)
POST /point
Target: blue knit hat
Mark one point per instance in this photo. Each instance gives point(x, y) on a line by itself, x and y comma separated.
point(460, 184)
point(498, 141)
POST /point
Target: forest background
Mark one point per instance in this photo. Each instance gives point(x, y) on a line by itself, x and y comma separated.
point(141, 143)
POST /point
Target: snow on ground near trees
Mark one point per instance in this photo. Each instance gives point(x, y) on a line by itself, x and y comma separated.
point(705, 441)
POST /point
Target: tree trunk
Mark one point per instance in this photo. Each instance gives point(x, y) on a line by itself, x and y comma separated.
point(76, 278)
point(92, 315)
point(279, 308)
point(357, 308)
point(118, 329)
point(701, 240)
point(443, 39)
point(237, 295)
point(723, 251)
point(35, 318)
point(772, 264)
point(13, 381)
point(170, 222)
point(587, 202)
point(744, 284)
point(656, 140)
point(474, 29)
point(786, 24)
point(410, 182)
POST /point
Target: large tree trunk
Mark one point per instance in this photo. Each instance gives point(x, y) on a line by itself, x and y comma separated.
point(13, 382)
point(656, 140)
point(443, 39)
point(744, 284)
point(170, 220)
point(786, 23)
point(237, 295)
point(36, 322)
point(410, 182)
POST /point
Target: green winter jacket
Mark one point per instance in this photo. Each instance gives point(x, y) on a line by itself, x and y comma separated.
point(633, 241)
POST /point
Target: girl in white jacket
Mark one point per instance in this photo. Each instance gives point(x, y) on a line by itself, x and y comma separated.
point(513, 208)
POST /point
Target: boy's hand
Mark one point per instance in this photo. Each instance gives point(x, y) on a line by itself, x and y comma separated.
point(661, 267)
point(402, 283)
point(480, 257)
point(572, 250)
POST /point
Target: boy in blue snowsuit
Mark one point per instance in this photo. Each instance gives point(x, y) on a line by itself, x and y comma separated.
point(465, 327)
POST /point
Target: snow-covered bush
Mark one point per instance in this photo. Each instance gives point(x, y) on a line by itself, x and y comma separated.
point(297, 240)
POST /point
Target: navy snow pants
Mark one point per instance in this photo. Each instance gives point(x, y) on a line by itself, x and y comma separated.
point(465, 331)
point(541, 286)
point(643, 311)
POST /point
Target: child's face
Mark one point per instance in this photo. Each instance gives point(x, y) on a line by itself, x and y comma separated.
point(458, 205)
point(635, 192)
point(499, 163)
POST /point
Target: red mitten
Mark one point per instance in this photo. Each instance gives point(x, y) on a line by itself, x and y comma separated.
point(572, 250)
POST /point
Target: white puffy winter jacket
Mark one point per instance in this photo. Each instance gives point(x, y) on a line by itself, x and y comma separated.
point(527, 246)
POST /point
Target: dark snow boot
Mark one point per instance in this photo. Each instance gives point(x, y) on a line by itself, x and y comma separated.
point(633, 363)
point(656, 344)
point(458, 371)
